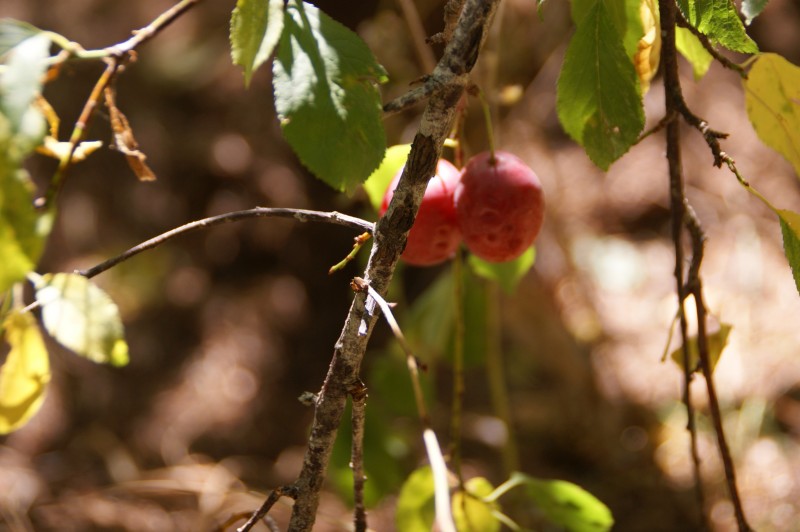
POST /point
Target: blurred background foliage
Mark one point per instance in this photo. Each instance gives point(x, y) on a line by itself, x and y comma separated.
point(227, 327)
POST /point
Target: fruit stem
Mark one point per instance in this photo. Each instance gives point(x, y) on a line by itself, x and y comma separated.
point(487, 116)
point(458, 366)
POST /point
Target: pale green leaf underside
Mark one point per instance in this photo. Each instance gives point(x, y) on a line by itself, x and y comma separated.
point(772, 97)
point(599, 104)
point(326, 97)
point(377, 183)
point(25, 373)
point(82, 317)
point(790, 228)
point(692, 49)
point(13, 32)
point(752, 8)
point(415, 505)
point(719, 20)
point(567, 504)
point(256, 27)
point(506, 274)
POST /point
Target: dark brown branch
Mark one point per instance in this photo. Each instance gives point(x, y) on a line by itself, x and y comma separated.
point(724, 61)
point(258, 515)
point(359, 397)
point(409, 99)
point(695, 287)
point(674, 103)
point(390, 234)
point(301, 215)
point(656, 128)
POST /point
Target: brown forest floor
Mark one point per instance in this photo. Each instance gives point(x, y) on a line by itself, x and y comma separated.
point(228, 327)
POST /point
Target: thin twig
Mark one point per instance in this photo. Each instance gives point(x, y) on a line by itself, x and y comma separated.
point(666, 119)
point(301, 215)
point(458, 368)
point(674, 103)
point(409, 99)
point(695, 287)
point(417, 30)
point(444, 516)
point(277, 493)
point(724, 61)
point(115, 57)
point(357, 417)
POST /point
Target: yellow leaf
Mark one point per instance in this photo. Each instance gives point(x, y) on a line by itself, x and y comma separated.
point(60, 149)
point(648, 50)
point(716, 343)
point(25, 374)
point(772, 91)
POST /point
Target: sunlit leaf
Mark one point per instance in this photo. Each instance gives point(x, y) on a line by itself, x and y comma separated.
point(563, 503)
point(506, 274)
point(648, 48)
point(326, 97)
point(719, 20)
point(82, 317)
point(790, 228)
point(13, 32)
point(716, 344)
point(59, 149)
point(20, 83)
point(693, 50)
point(256, 27)
point(377, 183)
point(772, 92)
point(415, 505)
point(752, 8)
point(470, 512)
point(599, 103)
point(25, 373)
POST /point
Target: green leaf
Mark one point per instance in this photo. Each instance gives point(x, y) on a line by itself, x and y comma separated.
point(772, 97)
point(25, 374)
point(21, 82)
point(693, 50)
point(428, 325)
point(790, 228)
point(716, 344)
point(598, 103)
point(22, 229)
point(506, 274)
point(326, 97)
point(719, 21)
point(564, 503)
point(377, 183)
point(82, 317)
point(415, 505)
point(752, 8)
point(256, 27)
point(470, 512)
point(13, 32)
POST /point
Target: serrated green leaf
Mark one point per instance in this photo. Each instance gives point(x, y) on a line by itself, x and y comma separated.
point(377, 183)
point(25, 373)
point(790, 228)
point(82, 317)
point(470, 512)
point(693, 50)
point(326, 97)
point(716, 344)
point(719, 21)
point(598, 103)
point(752, 8)
point(256, 28)
point(566, 504)
point(506, 274)
point(13, 32)
point(624, 13)
point(415, 505)
point(21, 82)
point(772, 97)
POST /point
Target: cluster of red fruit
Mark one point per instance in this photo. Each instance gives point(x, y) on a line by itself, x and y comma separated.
point(495, 205)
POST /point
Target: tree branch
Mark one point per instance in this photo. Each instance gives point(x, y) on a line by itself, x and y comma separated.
point(724, 61)
point(301, 215)
point(673, 99)
point(390, 237)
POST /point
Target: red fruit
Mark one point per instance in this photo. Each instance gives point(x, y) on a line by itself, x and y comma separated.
point(435, 235)
point(500, 206)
